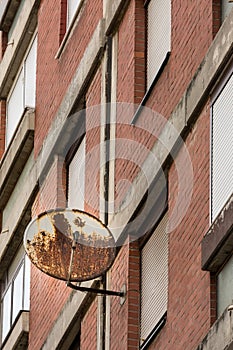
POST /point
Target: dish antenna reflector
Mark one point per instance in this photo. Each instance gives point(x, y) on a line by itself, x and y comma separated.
point(71, 245)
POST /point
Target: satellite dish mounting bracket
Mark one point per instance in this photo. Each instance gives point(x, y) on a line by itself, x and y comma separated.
point(87, 289)
point(95, 290)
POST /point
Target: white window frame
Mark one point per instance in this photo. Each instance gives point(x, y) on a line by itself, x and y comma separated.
point(154, 283)
point(76, 178)
point(158, 37)
point(23, 92)
point(20, 264)
point(221, 184)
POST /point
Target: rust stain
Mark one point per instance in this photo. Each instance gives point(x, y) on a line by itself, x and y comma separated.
point(51, 251)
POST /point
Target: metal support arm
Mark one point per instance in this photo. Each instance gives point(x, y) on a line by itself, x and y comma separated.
point(95, 290)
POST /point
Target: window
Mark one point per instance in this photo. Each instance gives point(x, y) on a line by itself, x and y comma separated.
point(154, 283)
point(227, 6)
point(225, 287)
point(15, 292)
point(222, 147)
point(158, 36)
point(23, 93)
point(76, 178)
point(72, 7)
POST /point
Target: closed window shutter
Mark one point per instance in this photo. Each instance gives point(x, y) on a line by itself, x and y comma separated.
point(154, 279)
point(30, 76)
point(15, 107)
point(222, 148)
point(71, 10)
point(76, 178)
point(158, 36)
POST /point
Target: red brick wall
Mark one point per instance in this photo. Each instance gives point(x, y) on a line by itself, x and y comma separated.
point(48, 295)
point(54, 75)
point(192, 32)
point(89, 328)
point(124, 327)
point(189, 300)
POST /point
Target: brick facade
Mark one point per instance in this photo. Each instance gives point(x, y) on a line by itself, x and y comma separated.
point(191, 309)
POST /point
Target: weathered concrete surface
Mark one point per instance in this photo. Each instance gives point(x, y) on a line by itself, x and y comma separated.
point(220, 336)
point(7, 12)
point(18, 338)
point(69, 319)
point(217, 244)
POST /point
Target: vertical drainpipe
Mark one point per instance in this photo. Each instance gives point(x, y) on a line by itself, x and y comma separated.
point(108, 92)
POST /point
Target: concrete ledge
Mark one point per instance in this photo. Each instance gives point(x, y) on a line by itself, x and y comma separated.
point(8, 10)
point(217, 243)
point(21, 38)
point(16, 156)
point(67, 324)
point(220, 336)
point(114, 13)
point(18, 338)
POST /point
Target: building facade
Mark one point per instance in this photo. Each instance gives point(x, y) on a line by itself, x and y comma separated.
point(122, 109)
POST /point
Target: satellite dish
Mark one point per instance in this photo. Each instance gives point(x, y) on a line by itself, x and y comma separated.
point(70, 245)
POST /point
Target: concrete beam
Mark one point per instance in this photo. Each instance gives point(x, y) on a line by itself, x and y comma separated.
point(220, 336)
point(114, 12)
point(18, 338)
point(68, 323)
point(8, 10)
point(217, 244)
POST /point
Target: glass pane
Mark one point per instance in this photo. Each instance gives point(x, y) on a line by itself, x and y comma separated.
point(76, 182)
point(72, 8)
point(30, 76)
point(15, 108)
point(26, 302)
point(6, 313)
point(225, 287)
point(17, 293)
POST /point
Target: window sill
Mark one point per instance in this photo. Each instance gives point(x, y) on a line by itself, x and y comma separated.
point(217, 243)
point(18, 336)
point(150, 89)
point(147, 342)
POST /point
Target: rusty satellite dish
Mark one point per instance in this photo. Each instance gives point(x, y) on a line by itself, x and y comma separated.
point(70, 245)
